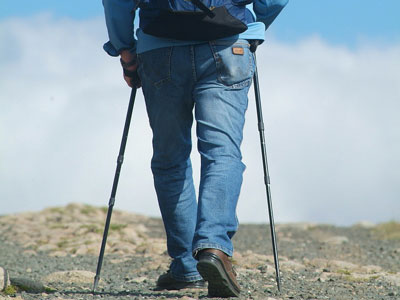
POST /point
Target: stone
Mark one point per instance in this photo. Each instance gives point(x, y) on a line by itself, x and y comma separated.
point(4, 279)
point(292, 266)
point(299, 225)
point(29, 253)
point(365, 224)
point(152, 247)
point(47, 247)
point(70, 277)
point(29, 285)
point(58, 254)
point(333, 265)
point(371, 269)
point(131, 235)
point(343, 265)
point(336, 240)
point(324, 277)
point(82, 250)
point(393, 278)
point(138, 279)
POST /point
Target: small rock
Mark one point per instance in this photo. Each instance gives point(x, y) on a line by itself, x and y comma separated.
point(324, 277)
point(152, 247)
point(58, 254)
point(124, 248)
point(333, 265)
point(344, 264)
point(371, 269)
point(29, 253)
point(71, 277)
point(336, 240)
point(292, 266)
point(47, 247)
point(138, 279)
point(118, 260)
point(4, 279)
point(131, 235)
point(28, 285)
point(300, 225)
point(393, 278)
point(82, 250)
point(365, 224)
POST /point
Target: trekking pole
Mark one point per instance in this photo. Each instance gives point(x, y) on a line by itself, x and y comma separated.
point(253, 48)
point(115, 185)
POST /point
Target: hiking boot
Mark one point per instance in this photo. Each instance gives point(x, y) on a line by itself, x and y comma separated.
point(216, 268)
point(167, 282)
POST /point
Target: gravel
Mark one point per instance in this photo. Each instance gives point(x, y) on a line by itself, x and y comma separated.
point(300, 246)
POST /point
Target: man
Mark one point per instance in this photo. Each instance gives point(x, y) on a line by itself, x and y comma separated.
point(210, 77)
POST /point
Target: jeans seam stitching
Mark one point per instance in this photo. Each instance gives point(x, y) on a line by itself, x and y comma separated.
point(193, 63)
point(217, 60)
point(157, 84)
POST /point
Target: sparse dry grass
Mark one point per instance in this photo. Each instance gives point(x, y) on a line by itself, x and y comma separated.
point(388, 231)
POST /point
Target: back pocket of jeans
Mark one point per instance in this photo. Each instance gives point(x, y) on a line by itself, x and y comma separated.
point(155, 66)
point(233, 63)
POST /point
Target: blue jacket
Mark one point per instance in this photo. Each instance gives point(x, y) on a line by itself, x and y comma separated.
point(120, 15)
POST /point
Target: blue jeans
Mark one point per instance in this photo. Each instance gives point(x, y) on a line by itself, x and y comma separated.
point(212, 79)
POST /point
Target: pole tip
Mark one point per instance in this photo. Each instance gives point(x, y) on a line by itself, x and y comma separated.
point(96, 281)
point(278, 282)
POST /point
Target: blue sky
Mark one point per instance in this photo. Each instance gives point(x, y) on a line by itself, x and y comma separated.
point(344, 22)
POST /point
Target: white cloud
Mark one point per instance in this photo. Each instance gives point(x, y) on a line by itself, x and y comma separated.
point(332, 116)
point(330, 113)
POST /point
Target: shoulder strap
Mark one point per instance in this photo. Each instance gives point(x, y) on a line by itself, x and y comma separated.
point(204, 8)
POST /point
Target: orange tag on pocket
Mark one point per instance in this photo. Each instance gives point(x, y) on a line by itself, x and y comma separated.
point(237, 50)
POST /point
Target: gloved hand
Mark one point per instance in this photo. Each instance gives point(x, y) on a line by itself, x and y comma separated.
point(129, 66)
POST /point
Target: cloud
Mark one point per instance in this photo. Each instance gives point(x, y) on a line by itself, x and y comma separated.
point(332, 120)
point(330, 115)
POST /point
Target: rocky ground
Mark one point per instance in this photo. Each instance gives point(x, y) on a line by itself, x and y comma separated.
point(53, 254)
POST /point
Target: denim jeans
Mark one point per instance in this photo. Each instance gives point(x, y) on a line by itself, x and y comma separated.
point(212, 80)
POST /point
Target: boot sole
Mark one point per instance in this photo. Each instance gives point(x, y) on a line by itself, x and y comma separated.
point(219, 283)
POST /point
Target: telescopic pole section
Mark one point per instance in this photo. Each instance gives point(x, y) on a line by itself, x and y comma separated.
point(115, 185)
point(266, 173)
